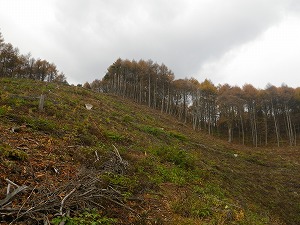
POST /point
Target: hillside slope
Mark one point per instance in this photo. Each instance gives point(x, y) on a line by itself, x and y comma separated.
point(122, 163)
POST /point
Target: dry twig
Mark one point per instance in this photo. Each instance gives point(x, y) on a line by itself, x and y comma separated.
point(64, 199)
point(85, 191)
point(10, 196)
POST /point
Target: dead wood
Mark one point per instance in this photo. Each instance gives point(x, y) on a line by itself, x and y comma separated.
point(97, 157)
point(64, 199)
point(115, 164)
point(10, 182)
point(87, 190)
point(9, 197)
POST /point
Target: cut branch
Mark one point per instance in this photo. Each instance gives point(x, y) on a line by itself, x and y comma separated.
point(12, 183)
point(97, 157)
point(117, 154)
point(64, 199)
point(10, 196)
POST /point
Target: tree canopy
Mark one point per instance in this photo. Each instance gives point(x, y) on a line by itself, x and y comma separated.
point(16, 65)
point(244, 115)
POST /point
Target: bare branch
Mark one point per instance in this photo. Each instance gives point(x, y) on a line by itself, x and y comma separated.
point(10, 196)
point(97, 157)
point(117, 154)
point(8, 189)
point(12, 183)
point(64, 199)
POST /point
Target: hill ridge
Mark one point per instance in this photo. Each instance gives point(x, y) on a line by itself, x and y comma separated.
point(174, 175)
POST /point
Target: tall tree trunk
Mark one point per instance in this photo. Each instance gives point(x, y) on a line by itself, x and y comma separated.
point(229, 132)
point(242, 126)
point(141, 93)
point(255, 127)
point(295, 142)
point(184, 107)
point(209, 119)
point(149, 91)
point(275, 124)
point(289, 126)
point(154, 93)
point(266, 128)
point(163, 99)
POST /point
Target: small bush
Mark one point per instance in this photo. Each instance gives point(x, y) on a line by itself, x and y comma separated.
point(160, 131)
point(127, 119)
point(4, 110)
point(210, 189)
point(172, 174)
point(40, 124)
point(177, 135)
point(17, 102)
point(174, 155)
point(91, 217)
point(113, 136)
point(192, 206)
point(153, 130)
point(12, 154)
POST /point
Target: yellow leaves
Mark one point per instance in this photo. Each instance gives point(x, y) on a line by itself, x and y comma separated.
point(4, 95)
point(297, 94)
point(239, 215)
point(4, 109)
point(208, 87)
point(50, 141)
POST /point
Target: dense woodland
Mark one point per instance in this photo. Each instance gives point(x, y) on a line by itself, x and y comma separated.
point(242, 115)
point(15, 65)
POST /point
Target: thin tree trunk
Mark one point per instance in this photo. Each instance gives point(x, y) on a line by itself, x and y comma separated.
point(149, 91)
point(229, 133)
point(243, 132)
point(255, 126)
point(289, 126)
point(163, 99)
point(266, 129)
point(275, 124)
point(295, 142)
point(141, 95)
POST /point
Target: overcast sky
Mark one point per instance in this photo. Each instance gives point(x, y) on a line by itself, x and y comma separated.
point(232, 41)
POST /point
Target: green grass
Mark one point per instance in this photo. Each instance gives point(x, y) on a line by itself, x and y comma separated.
point(210, 185)
point(153, 130)
point(177, 135)
point(6, 152)
point(114, 136)
point(4, 110)
point(162, 133)
point(89, 217)
point(175, 155)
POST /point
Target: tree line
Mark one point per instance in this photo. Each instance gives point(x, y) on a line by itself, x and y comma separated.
point(246, 115)
point(16, 65)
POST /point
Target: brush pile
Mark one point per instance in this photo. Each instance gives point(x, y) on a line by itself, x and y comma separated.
point(42, 203)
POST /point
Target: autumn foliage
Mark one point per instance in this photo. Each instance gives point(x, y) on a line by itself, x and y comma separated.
point(15, 65)
point(246, 115)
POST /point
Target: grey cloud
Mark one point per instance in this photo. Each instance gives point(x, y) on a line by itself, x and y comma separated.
point(184, 34)
point(294, 6)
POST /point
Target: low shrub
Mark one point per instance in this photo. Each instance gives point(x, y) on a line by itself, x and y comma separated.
point(90, 217)
point(177, 135)
point(175, 155)
point(12, 154)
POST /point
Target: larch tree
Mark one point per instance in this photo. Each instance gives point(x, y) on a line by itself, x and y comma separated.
point(288, 103)
point(273, 98)
point(250, 95)
point(246, 115)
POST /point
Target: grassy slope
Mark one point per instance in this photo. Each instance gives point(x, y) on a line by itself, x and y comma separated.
point(182, 176)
